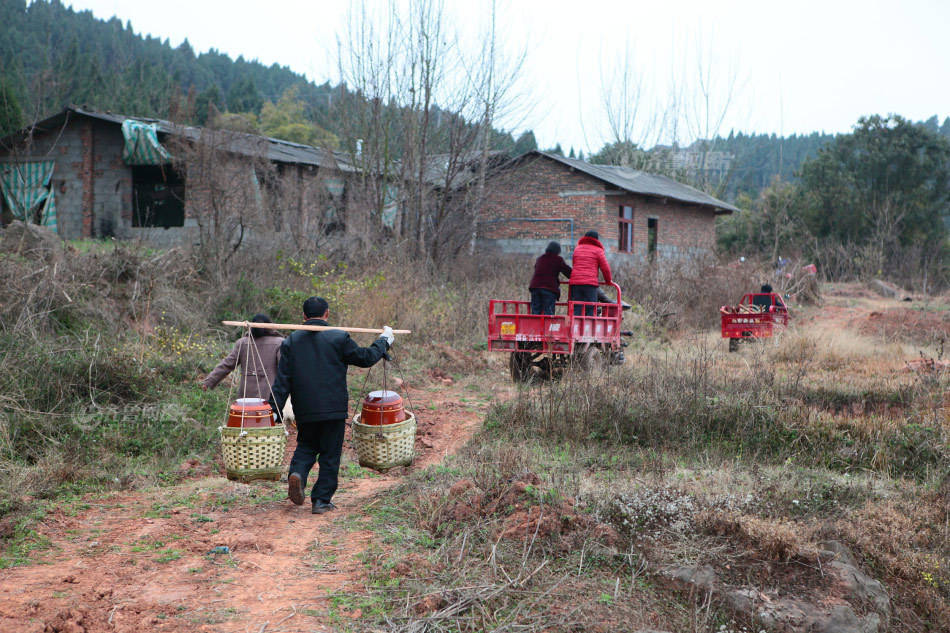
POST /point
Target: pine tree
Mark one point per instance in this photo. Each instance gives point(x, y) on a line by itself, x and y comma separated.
point(205, 100)
point(244, 97)
point(525, 143)
point(11, 116)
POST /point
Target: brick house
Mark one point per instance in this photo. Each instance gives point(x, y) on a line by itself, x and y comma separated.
point(539, 197)
point(82, 167)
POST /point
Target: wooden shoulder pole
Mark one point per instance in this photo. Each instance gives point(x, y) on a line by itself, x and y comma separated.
point(311, 328)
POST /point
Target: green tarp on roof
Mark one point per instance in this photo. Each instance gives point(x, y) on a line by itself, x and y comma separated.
point(141, 144)
point(27, 190)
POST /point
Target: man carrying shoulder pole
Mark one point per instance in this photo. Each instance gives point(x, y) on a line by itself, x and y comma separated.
point(312, 369)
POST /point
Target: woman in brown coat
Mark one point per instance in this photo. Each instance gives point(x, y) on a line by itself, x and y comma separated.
point(258, 368)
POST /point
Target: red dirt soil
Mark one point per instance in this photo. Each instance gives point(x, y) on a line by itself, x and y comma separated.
point(139, 561)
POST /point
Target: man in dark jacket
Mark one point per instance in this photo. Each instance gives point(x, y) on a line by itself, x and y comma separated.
point(545, 286)
point(589, 259)
point(763, 300)
point(312, 369)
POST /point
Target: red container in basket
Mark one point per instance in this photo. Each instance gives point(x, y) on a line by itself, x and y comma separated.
point(254, 411)
point(381, 408)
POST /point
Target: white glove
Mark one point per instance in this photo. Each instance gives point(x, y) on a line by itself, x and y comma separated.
point(388, 335)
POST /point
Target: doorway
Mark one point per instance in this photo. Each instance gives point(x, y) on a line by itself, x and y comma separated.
point(652, 229)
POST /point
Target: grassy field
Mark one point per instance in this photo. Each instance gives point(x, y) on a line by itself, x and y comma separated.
point(569, 509)
point(577, 501)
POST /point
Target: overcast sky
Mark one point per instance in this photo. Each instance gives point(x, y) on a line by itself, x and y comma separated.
point(796, 67)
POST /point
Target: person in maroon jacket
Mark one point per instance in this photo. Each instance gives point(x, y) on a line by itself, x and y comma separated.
point(589, 258)
point(545, 286)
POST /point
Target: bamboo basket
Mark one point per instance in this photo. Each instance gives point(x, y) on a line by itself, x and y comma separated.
point(386, 446)
point(253, 453)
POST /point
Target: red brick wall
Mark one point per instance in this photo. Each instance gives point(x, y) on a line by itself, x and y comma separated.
point(679, 226)
point(534, 189)
point(542, 188)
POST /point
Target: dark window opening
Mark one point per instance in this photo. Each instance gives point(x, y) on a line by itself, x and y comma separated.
point(652, 224)
point(625, 226)
point(268, 193)
point(6, 215)
point(158, 197)
point(106, 227)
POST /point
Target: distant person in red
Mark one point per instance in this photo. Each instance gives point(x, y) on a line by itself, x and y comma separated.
point(545, 286)
point(589, 257)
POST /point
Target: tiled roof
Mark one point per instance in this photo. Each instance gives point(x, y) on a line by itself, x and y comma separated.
point(642, 182)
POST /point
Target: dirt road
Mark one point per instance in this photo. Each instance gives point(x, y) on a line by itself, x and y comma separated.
point(140, 561)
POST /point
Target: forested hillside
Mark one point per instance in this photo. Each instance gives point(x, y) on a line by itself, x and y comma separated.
point(759, 158)
point(869, 203)
point(51, 56)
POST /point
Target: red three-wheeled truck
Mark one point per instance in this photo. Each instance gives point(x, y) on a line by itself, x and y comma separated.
point(542, 346)
point(757, 315)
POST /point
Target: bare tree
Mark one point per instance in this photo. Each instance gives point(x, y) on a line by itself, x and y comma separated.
point(646, 124)
point(633, 122)
point(709, 99)
point(494, 82)
point(883, 246)
point(367, 63)
point(430, 104)
point(224, 195)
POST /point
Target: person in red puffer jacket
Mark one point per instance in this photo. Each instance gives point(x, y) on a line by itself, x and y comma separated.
point(545, 286)
point(589, 257)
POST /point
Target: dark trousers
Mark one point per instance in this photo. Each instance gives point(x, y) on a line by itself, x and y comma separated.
point(584, 293)
point(543, 301)
point(326, 440)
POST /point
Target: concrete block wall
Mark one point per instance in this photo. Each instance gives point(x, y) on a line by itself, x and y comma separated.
point(93, 186)
point(65, 147)
point(108, 211)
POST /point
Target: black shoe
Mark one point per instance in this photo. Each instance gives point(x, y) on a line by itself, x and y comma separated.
point(319, 507)
point(295, 489)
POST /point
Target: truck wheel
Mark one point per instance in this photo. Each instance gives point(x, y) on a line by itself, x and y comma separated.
point(733, 345)
point(591, 360)
point(526, 367)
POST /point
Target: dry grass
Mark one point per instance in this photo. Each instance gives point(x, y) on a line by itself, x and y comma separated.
point(743, 460)
point(905, 542)
point(686, 295)
point(746, 462)
point(768, 539)
point(838, 349)
point(757, 525)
